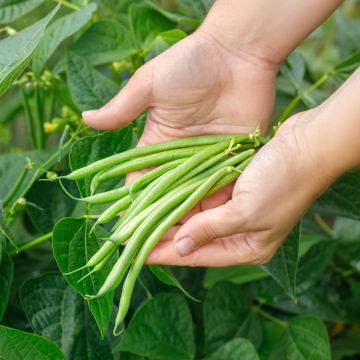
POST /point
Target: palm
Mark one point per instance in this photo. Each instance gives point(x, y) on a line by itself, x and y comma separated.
point(198, 87)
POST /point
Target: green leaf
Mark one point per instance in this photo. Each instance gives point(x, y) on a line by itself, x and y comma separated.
point(342, 198)
point(11, 166)
point(146, 23)
point(57, 312)
point(347, 230)
point(6, 278)
point(89, 149)
point(273, 332)
point(162, 42)
point(161, 329)
point(104, 42)
point(51, 204)
point(346, 67)
point(283, 266)
point(235, 274)
point(10, 10)
point(57, 32)
point(175, 17)
point(16, 345)
point(164, 274)
point(228, 314)
point(89, 88)
point(235, 349)
point(16, 51)
point(313, 264)
point(4, 228)
point(72, 247)
point(307, 339)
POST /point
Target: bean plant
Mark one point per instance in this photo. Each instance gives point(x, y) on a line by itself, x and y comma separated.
point(62, 188)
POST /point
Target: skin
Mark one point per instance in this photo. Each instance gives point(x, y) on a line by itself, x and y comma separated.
point(222, 79)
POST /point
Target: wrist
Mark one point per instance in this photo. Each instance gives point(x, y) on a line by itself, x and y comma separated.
point(268, 30)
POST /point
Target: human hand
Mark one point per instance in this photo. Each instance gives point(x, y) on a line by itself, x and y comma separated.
point(269, 198)
point(196, 87)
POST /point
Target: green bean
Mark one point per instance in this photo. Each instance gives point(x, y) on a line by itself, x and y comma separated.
point(132, 247)
point(141, 163)
point(114, 210)
point(144, 180)
point(154, 174)
point(151, 195)
point(156, 235)
point(145, 150)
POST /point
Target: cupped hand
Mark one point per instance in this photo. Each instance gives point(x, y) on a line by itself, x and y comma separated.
point(195, 87)
point(269, 198)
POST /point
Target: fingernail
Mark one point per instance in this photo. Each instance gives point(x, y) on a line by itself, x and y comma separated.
point(88, 113)
point(184, 246)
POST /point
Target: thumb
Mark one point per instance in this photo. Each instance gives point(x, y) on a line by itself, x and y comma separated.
point(133, 99)
point(206, 226)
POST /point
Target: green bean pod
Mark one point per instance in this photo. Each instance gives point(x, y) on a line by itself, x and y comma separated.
point(145, 150)
point(134, 244)
point(151, 195)
point(156, 235)
point(140, 163)
point(148, 177)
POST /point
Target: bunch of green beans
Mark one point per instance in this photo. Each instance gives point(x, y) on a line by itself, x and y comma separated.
point(188, 170)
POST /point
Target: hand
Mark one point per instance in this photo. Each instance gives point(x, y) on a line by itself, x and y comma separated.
point(196, 87)
point(269, 198)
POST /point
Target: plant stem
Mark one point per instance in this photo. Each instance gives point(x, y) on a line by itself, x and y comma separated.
point(16, 187)
point(40, 135)
point(48, 163)
point(323, 225)
point(270, 317)
point(31, 244)
point(68, 4)
point(29, 117)
point(290, 108)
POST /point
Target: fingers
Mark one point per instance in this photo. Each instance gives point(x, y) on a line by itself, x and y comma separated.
point(125, 106)
point(234, 250)
point(206, 226)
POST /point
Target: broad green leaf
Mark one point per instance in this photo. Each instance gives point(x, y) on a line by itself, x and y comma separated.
point(89, 88)
point(228, 314)
point(273, 332)
point(10, 10)
point(234, 350)
point(73, 246)
point(6, 278)
point(307, 339)
point(196, 9)
point(16, 51)
point(175, 17)
point(283, 266)
point(313, 264)
point(315, 301)
point(57, 312)
point(16, 345)
point(342, 198)
point(162, 42)
point(12, 164)
point(89, 149)
point(146, 23)
point(57, 32)
point(104, 42)
point(51, 204)
point(161, 329)
point(347, 229)
point(235, 274)
point(164, 274)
